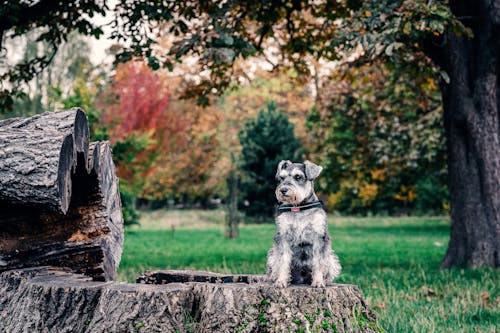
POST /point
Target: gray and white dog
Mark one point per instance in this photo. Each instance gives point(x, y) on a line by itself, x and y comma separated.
point(302, 252)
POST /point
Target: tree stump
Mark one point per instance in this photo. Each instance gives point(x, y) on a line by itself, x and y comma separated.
point(59, 198)
point(48, 299)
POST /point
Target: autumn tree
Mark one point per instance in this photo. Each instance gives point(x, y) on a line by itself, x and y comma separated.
point(166, 147)
point(378, 133)
point(186, 168)
point(135, 112)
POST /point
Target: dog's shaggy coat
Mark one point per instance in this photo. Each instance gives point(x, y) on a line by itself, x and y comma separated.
point(302, 252)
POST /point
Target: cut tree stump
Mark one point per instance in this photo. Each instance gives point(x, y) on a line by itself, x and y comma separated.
point(48, 299)
point(59, 198)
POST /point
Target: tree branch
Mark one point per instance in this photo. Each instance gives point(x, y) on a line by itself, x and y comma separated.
point(22, 16)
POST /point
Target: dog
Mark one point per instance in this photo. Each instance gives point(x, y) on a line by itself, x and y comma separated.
point(302, 252)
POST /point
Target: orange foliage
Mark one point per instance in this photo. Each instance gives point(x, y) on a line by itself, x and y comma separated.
point(188, 171)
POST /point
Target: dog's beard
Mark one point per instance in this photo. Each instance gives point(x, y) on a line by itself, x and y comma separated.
point(289, 198)
point(294, 196)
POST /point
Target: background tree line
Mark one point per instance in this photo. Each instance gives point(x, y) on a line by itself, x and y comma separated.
point(375, 128)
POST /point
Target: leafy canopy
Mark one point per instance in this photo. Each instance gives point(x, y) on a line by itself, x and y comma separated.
point(219, 32)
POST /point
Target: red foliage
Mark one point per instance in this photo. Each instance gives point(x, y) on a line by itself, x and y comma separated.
point(136, 105)
point(141, 100)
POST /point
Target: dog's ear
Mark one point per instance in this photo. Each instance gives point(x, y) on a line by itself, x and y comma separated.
point(282, 165)
point(312, 170)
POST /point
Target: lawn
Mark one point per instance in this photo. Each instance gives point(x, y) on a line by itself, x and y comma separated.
point(393, 260)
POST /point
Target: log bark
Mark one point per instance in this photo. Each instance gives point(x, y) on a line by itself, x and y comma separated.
point(38, 155)
point(471, 103)
point(44, 299)
point(59, 200)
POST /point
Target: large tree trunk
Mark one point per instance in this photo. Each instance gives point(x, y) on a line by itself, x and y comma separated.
point(59, 198)
point(471, 114)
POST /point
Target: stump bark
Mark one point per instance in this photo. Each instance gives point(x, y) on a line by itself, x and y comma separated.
point(59, 197)
point(48, 299)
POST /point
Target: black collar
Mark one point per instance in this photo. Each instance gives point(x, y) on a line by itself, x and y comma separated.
point(291, 208)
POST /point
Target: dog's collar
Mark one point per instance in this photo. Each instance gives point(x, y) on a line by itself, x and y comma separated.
point(295, 209)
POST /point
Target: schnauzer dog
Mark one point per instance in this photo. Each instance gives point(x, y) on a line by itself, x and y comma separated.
point(302, 252)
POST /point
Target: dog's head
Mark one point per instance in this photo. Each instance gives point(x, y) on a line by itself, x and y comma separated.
point(296, 181)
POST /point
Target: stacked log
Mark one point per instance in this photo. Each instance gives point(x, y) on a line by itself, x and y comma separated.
point(59, 198)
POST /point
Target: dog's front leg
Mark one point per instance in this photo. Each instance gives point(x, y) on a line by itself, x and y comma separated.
point(317, 276)
point(283, 274)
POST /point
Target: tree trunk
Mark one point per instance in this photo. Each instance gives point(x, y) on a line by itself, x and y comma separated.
point(233, 215)
point(48, 300)
point(59, 198)
point(471, 114)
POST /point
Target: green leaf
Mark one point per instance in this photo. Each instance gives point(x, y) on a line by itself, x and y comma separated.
point(153, 63)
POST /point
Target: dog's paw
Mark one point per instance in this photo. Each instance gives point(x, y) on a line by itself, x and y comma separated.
point(280, 284)
point(318, 283)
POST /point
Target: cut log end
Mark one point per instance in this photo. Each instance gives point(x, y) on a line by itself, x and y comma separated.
point(75, 145)
point(67, 159)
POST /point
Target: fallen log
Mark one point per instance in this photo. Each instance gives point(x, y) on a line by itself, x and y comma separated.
point(59, 198)
point(47, 299)
point(38, 156)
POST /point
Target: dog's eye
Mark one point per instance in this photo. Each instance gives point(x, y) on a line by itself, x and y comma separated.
point(298, 177)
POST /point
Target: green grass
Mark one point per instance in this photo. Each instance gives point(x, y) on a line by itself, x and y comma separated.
point(394, 261)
